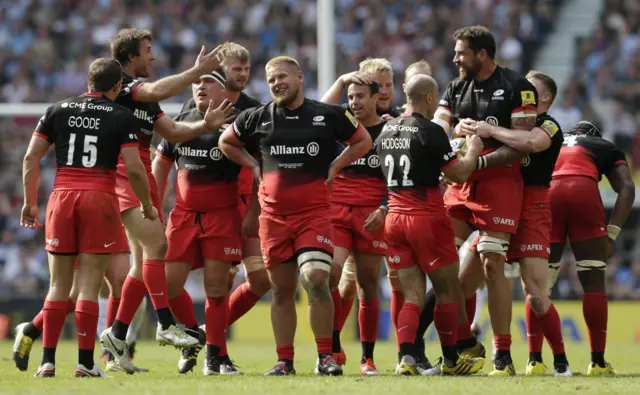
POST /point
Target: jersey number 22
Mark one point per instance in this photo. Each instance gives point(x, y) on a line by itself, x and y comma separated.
point(405, 164)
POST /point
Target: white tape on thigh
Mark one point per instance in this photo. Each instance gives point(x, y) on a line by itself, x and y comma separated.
point(493, 244)
point(349, 270)
point(554, 272)
point(314, 260)
point(234, 270)
point(253, 264)
point(590, 265)
point(512, 270)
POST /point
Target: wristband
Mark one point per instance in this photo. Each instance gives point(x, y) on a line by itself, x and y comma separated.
point(613, 231)
point(481, 162)
point(384, 208)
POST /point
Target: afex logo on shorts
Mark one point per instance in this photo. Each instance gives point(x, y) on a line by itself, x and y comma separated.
point(324, 240)
point(504, 221)
point(394, 259)
point(232, 251)
point(379, 244)
point(531, 247)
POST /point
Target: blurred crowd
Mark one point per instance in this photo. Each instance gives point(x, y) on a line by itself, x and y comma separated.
point(606, 83)
point(47, 45)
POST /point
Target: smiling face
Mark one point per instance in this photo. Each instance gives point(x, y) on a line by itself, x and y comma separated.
point(467, 61)
point(143, 61)
point(361, 101)
point(285, 82)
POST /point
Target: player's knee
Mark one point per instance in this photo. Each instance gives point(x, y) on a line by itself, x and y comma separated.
point(537, 302)
point(253, 264)
point(314, 267)
point(592, 275)
point(259, 282)
point(216, 288)
point(494, 268)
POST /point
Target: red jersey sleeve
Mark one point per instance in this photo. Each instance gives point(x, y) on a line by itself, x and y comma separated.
point(166, 150)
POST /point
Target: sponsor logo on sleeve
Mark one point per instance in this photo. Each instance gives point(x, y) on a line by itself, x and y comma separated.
point(528, 97)
point(550, 127)
point(351, 118)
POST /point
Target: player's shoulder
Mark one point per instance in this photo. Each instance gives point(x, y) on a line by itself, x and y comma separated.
point(324, 108)
point(515, 79)
point(546, 121)
point(189, 115)
point(128, 85)
point(245, 102)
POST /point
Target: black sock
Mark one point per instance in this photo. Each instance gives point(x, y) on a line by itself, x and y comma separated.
point(450, 353)
point(111, 357)
point(407, 349)
point(535, 357)
point(399, 356)
point(335, 345)
point(119, 329)
point(503, 354)
point(367, 350)
point(598, 358)
point(560, 359)
point(31, 331)
point(85, 357)
point(426, 315)
point(48, 355)
point(165, 318)
point(420, 348)
point(464, 344)
point(212, 351)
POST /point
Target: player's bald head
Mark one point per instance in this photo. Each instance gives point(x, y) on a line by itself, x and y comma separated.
point(420, 86)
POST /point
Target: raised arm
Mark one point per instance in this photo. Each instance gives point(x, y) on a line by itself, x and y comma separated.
point(177, 132)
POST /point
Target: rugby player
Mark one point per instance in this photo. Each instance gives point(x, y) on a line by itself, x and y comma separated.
point(358, 210)
point(491, 199)
point(530, 247)
point(89, 132)
point(204, 228)
point(296, 139)
point(132, 48)
point(577, 213)
point(413, 151)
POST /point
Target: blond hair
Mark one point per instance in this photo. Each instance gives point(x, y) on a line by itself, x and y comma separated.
point(287, 60)
point(231, 51)
point(375, 66)
point(421, 67)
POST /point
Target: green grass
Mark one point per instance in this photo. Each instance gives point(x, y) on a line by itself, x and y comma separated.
point(255, 358)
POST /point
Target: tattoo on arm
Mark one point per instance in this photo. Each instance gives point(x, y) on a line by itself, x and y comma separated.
point(523, 123)
point(502, 157)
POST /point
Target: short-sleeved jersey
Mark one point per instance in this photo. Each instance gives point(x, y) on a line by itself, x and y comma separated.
point(87, 132)
point(587, 156)
point(504, 95)
point(361, 183)
point(537, 167)
point(413, 151)
point(207, 180)
point(146, 115)
point(296, 148)
point(245, 180)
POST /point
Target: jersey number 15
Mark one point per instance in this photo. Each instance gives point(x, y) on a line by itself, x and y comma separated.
point(405, 164)
point(89, 150)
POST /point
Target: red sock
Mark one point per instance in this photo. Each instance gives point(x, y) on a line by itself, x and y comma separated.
point(286, 352)
point(241, 301)
point(217, 316)
point(347, 304)
point(182, 309)
point(38, 321)
point(87, 324)
point(155, 280)
point(337, 309)
point(71, 306)
point(112, 310)
point(464, 331)
point(552, 329)
point(445, 318)
point(535, 336)
point(397, 300)
point(132, 294)
point(470, 307)
point(54, 312)
point(502, 342)
point(324, 345)
point(408, 320)
point(595, 311)
point(368, 318)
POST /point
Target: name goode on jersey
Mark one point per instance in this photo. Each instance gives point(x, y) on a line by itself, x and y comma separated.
point(312, 149)
point(84, 122)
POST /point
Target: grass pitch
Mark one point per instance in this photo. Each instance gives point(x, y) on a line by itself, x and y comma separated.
point(256, 358)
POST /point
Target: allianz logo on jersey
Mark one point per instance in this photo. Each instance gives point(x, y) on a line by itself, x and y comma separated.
point(312, 149)
point(396, 143)
point(372, 161)
point(213, 153)
point(142, 115)
point(87, 105)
